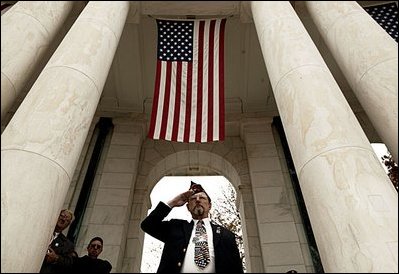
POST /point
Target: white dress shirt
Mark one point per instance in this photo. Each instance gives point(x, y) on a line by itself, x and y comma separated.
point(53, 237)
point(189, 265)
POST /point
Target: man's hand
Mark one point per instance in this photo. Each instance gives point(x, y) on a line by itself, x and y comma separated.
point(51, 256)
point(181, 199)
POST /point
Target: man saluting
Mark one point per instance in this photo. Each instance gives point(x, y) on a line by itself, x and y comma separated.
point(199, 246)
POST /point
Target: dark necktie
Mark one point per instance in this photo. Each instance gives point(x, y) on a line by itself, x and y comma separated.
point(201, 251)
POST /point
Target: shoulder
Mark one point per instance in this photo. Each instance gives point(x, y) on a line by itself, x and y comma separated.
point(62, 237)
point(107, 265)
point(82, 259)
point(178, 221)
point(218, 226)
point(63, 244)
point(65, 239)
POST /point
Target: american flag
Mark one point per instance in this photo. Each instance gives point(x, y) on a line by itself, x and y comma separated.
point(386, 16)
point(188, 104)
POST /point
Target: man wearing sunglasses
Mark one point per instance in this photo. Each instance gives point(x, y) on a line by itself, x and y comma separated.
point(90, 263)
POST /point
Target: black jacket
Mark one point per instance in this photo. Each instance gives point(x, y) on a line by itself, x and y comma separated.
point(176, 236)
point(64, 248)
point(86, 264)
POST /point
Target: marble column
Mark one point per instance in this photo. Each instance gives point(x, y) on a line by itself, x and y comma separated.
point(27, 30)
point(352, 205)
point(41, 145)
point(368, 58)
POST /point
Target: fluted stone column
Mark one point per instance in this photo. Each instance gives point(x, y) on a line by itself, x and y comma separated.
point(368, 58)
point(27, 30)
point(352, 205)
point(41, 145)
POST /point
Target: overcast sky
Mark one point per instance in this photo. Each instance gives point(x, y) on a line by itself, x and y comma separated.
point(380, 150)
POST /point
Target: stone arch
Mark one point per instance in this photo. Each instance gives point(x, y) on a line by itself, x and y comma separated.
point(160, 158)
point(206, 161)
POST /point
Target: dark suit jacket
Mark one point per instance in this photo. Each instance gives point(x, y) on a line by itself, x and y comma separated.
point(176, 236)
point(86, 264)
point(64, 248)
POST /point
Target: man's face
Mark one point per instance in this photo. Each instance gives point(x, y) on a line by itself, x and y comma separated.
point(64, 220)
point(199, 205)
point(94, 249)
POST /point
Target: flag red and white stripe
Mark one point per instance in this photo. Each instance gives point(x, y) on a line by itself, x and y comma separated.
point(188, 103)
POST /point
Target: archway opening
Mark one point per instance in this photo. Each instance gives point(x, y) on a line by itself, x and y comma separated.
point(387, 162)
point(223, 211)
point(380, 150)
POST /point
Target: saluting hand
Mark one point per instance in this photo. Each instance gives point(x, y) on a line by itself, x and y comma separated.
point(181, 199)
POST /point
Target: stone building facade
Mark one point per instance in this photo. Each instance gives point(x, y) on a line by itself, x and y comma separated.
point(76, 95)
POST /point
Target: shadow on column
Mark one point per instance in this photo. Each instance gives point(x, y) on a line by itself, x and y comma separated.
point(103, 127)
point(314, 252)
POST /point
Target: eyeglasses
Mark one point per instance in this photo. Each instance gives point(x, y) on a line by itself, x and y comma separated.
point(96, 246)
